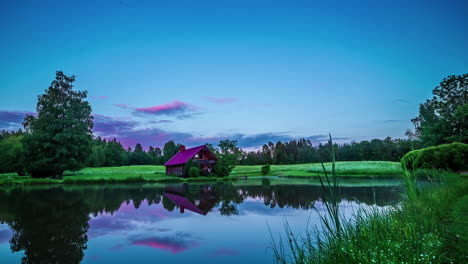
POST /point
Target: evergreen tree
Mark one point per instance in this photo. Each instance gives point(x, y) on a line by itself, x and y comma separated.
point(60, 136)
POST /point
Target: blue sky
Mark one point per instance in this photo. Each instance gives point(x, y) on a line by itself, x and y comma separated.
point(200, 71)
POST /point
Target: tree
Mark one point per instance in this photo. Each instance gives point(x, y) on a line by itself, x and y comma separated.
point(442, 119)
point(139, 156)
point(169, 150)
point(60, 136)
point(11, 154)
point(229, 154)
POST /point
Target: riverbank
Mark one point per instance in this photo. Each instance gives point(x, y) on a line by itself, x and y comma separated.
point(429, 226)
point(149, 173)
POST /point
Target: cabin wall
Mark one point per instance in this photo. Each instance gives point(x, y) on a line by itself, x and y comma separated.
point(174, 170)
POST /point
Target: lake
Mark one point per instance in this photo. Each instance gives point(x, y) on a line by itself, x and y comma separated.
point(173, 223)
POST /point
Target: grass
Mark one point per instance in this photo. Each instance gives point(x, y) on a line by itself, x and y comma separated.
point(149, 173)
point(344, 168)
point(429, 226)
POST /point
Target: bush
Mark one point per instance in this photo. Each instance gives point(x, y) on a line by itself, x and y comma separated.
point(266, 169)
point(221, 169)
point(194, 172)
point(451, 156)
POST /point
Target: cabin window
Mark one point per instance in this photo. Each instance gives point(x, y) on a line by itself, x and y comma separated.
point(197, 156)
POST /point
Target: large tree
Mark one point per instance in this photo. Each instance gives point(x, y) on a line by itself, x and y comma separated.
point(443, 119)
point(60, 135)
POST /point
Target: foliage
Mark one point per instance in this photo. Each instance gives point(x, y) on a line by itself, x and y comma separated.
point(302, 151)
point(229, 156)
point(265, 169)
point(59, 137)
point(11, 155)
point(169, 150)
point(444, 118)
point(446, 156)
point(194, 172)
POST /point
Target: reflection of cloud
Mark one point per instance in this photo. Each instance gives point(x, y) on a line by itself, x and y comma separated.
point(5, 235)
point(106, 224)
point(176, 244)
point(225, 252)
point(127, 219)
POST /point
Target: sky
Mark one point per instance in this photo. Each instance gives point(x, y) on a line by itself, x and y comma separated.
point(254, 71)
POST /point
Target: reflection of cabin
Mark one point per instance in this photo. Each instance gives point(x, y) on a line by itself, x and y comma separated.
point(201, 155)
point(201, 203)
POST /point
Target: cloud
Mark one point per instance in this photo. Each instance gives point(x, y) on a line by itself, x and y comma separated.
point(163, 121)
point(221, 100)
point(391, 121)
point(177, 109)
point(108, 126)
point(123, 106)
point(12, 120)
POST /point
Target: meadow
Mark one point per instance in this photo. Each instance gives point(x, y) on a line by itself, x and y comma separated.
point(156, 173)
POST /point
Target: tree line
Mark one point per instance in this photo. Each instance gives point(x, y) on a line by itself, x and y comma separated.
point(60, 137)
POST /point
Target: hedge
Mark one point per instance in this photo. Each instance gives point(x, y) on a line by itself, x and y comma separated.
point(451, 157)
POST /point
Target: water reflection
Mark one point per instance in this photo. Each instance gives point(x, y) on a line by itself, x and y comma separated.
point(54, 224)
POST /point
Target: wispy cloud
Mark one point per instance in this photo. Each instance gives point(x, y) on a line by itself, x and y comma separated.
point(174, 244)
point(221, 100)
point(176, 108)
point(391, 121)
point(123, 106)
point(12, 120)
point(108, 126)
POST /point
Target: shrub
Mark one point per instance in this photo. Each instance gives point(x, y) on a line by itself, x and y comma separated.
point(451, 156)
point(194, 172)
point(266, 169)
point(221, 169)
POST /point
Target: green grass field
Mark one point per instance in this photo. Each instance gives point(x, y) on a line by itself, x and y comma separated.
point(149, 173)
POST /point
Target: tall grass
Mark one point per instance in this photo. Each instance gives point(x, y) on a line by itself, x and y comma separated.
point(415, 231)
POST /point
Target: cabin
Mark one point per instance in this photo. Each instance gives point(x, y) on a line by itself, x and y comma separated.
point(201, 155)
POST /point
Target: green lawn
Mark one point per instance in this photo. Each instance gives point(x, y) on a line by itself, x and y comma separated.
point(344, 168)
point(151, 173)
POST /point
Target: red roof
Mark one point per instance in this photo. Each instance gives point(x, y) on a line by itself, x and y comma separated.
point(182, 201)
point(182, 157)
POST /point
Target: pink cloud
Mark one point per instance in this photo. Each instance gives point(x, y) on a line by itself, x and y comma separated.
point(174, 108)
point(221, 100)
point(173, 245)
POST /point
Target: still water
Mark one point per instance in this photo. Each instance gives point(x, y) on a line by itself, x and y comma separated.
point(174, 223)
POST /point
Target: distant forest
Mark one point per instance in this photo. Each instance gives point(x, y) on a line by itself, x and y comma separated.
point(110, 153)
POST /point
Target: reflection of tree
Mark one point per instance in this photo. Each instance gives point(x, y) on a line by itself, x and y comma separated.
point(50, 224)
point(50, 228)
point(228, 209)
